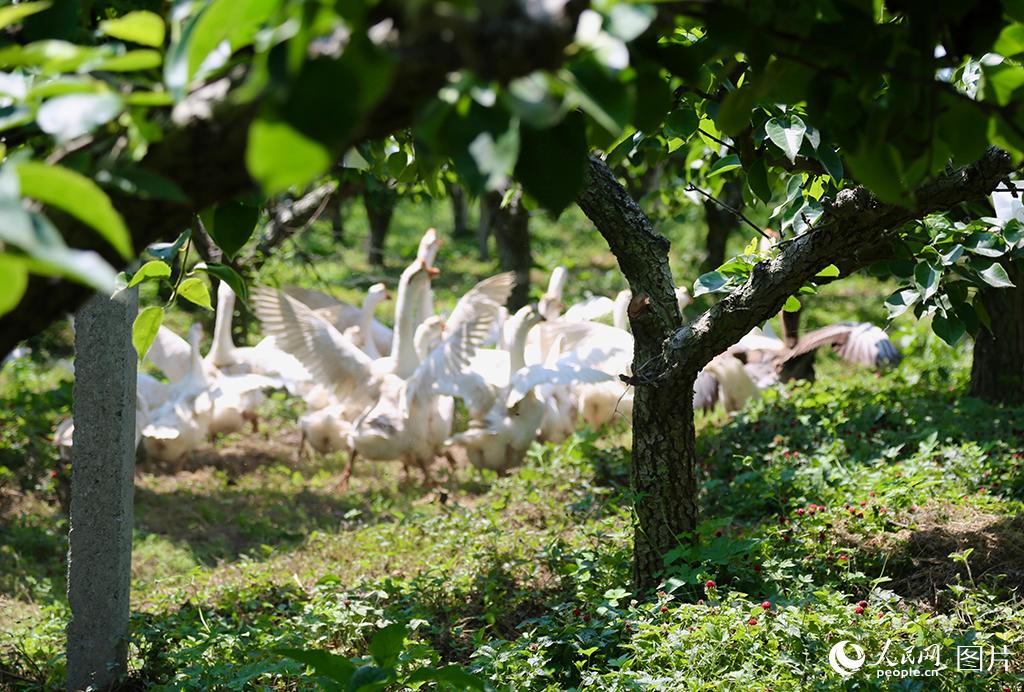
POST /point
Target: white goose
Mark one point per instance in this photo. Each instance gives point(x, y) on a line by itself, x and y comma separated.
point(182, 421)
point(505, 420)
point(361, 335)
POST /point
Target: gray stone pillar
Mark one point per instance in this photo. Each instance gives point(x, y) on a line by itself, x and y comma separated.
point(102, 471)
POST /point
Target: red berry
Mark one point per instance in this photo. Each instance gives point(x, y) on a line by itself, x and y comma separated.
point(842, 557)
point(752, 621)
point(709, 584)
point(881, 615)
point(862, 604)
point(881, 510)
point(576, 612)
point(348, 602)
point(586, 618)
point(757, 568)
point(662, 594)
point(858, 610)
point(767, 605)
point(664, 609)
point(871, 494)
point(800, 512)
point(863, 503)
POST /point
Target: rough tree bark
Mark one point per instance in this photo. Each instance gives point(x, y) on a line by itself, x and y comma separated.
point(490, 202)
point(720, 223)
point(460, 211)
point(511, 228)
point(663, 469)
point(997, 370)
point(664, 369)
point(380, 206)
point(204, 141)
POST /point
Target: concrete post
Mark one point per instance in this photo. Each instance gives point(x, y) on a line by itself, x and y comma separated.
point(103, 467)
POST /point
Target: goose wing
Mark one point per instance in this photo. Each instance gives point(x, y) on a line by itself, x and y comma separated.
point(313, 298)
point(297, 329)
point(171, 354)
point(446, 369)
point(567, 370)
point(593, 308)
point(855, 342)
point(486, 297)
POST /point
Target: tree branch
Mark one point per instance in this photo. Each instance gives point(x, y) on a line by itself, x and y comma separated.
point(203, 149)
point(855, 222)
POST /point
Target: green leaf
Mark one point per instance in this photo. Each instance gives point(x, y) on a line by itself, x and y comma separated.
point(153, 269)
point(194, 290)
point(787, 133)
point(682, 122)
point(142, 27)
point(496, 159)
point(132, 61)
point(952, 255)
point(141, 182)
point(926, 278)
point(712, 282)
point(166, 251)
point(1010, 41)
point(734, 113)
point(757, 179)
point(148, 98)
point(328, 665)
point(231, 224)
point(653, 100)
point(15, 13)
point(627, 21)
point(901, 301)
point(949, 329)
point(369, 678)
point(551, 162)
point(829, 272)
point(995, 275)
point(878, 168)
point(828, 158)
point(145, 328)
point(78, 196)
point(227, 275)
point(278, 156)
point(74, 115)
point(14, 283)
point(452, 675)
point(1001, 82)
point(724, 164)
point(792, 304)
point(387, 644)
point(226, 20)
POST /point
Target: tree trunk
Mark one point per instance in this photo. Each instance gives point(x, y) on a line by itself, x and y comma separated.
point(664, 450)
point(997, 371)
point(460, 212)
point(490, 204)
point(511, 227)
point(720, 223)
point(380, 205)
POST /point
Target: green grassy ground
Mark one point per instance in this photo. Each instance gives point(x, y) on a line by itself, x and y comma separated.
point(894, 490)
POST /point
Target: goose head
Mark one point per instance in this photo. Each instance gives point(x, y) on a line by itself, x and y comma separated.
point(429, 335)
point(429, 245)
point(551, 305)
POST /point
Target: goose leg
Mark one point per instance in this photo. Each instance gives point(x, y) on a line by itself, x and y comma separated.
point(253, 419)
point(347, 473)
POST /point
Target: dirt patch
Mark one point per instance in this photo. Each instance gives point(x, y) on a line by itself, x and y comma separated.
point(919, 561)
point(235, 455)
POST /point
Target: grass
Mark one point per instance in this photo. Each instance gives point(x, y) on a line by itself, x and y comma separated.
point(894, 490)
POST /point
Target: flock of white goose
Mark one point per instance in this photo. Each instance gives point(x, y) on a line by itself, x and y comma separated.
point(388, 395)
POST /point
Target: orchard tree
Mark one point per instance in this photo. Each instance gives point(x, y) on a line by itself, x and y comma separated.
point(862, 130)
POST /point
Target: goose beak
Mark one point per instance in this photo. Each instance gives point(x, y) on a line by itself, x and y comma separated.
point(433, 271)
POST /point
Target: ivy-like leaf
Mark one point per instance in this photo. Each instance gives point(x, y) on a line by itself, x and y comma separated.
point(787, 133)
point(231, 224)
point(387, 644)
point(712, 282)
point(949, 329)
point(153, 269)
point(15, 281)
point(326, 664)
point(995, 275)
point(194, 290)
point(142, 27)
point(278, 156)
point(792, 304)
point(145, 328)
point(227, 275)
point(78, 196)
point(551, 162)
